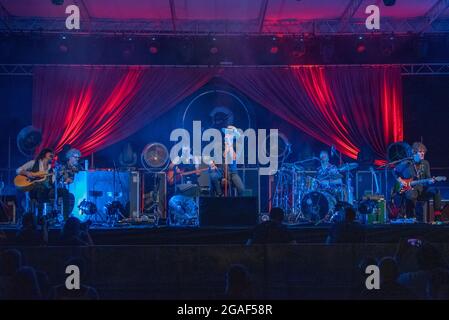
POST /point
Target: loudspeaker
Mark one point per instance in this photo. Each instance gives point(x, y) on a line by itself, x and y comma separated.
point(228, 211)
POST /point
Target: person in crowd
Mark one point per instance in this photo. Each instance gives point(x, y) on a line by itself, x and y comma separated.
point(25, 285)
point(430, 265)
point(10, 263)
point(74, 233)
point(238, 283)
point(346, 231)
point(29, 235)
point(272, 231)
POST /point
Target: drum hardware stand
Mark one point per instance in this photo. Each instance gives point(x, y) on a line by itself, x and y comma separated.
point(153, 214)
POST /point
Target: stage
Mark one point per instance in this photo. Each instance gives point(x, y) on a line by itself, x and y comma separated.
point(145, 234)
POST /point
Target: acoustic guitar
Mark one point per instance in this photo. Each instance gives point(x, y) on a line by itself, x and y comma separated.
point(25, 183)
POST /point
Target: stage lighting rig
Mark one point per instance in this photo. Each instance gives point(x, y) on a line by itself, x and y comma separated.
point(389, 3)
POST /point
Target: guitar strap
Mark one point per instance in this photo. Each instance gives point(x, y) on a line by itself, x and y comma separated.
point(419, 170)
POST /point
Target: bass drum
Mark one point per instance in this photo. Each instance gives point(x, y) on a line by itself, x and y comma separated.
point(183, 211)
point(316, 206)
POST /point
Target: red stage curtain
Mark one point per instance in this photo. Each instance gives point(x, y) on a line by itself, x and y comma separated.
point(94, 107)
point(343, 106)
point(91, 108)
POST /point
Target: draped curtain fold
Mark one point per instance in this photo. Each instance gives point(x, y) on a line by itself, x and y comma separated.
point(93, 107)
point(348, 107)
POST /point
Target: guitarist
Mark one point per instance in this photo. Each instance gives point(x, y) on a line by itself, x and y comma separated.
point(417, 169)
point(42, 163)
point(185, 163)
point(66, 171)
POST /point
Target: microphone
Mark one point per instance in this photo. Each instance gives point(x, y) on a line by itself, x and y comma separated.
point(333, 151)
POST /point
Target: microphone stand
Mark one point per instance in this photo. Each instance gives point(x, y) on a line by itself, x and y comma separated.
point(388, 164)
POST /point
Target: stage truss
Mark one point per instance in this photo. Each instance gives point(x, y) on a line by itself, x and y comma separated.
point(411, 69)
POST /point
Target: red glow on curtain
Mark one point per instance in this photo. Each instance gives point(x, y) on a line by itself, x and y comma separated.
point(91, 108)
point(343, 106)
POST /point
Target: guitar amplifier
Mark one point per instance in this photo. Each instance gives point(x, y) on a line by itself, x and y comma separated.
point(101, 187)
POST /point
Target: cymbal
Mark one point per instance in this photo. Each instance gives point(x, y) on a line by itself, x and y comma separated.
point(335, 176)
point(348, 166)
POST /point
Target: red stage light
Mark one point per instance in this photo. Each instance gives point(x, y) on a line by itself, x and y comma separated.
point(214, 50)
point(274, 50)
point(361, 48)
point(154, 50)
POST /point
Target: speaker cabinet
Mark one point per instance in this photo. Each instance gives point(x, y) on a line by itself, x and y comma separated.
point(228, 211)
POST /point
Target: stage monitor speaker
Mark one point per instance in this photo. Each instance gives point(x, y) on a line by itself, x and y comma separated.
point(104, 186)
point(228, 211)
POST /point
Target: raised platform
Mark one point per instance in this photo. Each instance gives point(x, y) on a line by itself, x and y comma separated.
point(165, 235)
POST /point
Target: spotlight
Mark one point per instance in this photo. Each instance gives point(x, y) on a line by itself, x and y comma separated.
point(299, 48)
point(389, 3)
point(274, 49)
point(327, 50)
point(213, 50)
point(154, 46)
point(360, 46)
point(63, 48)
point(62, 45)
point(387, 46)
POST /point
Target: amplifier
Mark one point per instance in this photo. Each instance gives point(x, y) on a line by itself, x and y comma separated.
point(101, 187)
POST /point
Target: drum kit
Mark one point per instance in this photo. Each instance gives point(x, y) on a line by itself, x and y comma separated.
point(304, 197)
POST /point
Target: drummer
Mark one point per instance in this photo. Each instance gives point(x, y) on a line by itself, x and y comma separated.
point(328, 175)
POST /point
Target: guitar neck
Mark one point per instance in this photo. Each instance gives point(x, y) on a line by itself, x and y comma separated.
point(194, 171)
point(422, 181)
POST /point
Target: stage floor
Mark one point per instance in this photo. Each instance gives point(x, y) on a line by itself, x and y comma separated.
point(307, 233)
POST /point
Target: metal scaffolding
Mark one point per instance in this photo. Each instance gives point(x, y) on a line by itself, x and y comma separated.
point(410, 69)
point(260, 26)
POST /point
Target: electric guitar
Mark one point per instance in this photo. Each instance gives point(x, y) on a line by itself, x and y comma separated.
point(25, 183)
point(410, 183)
